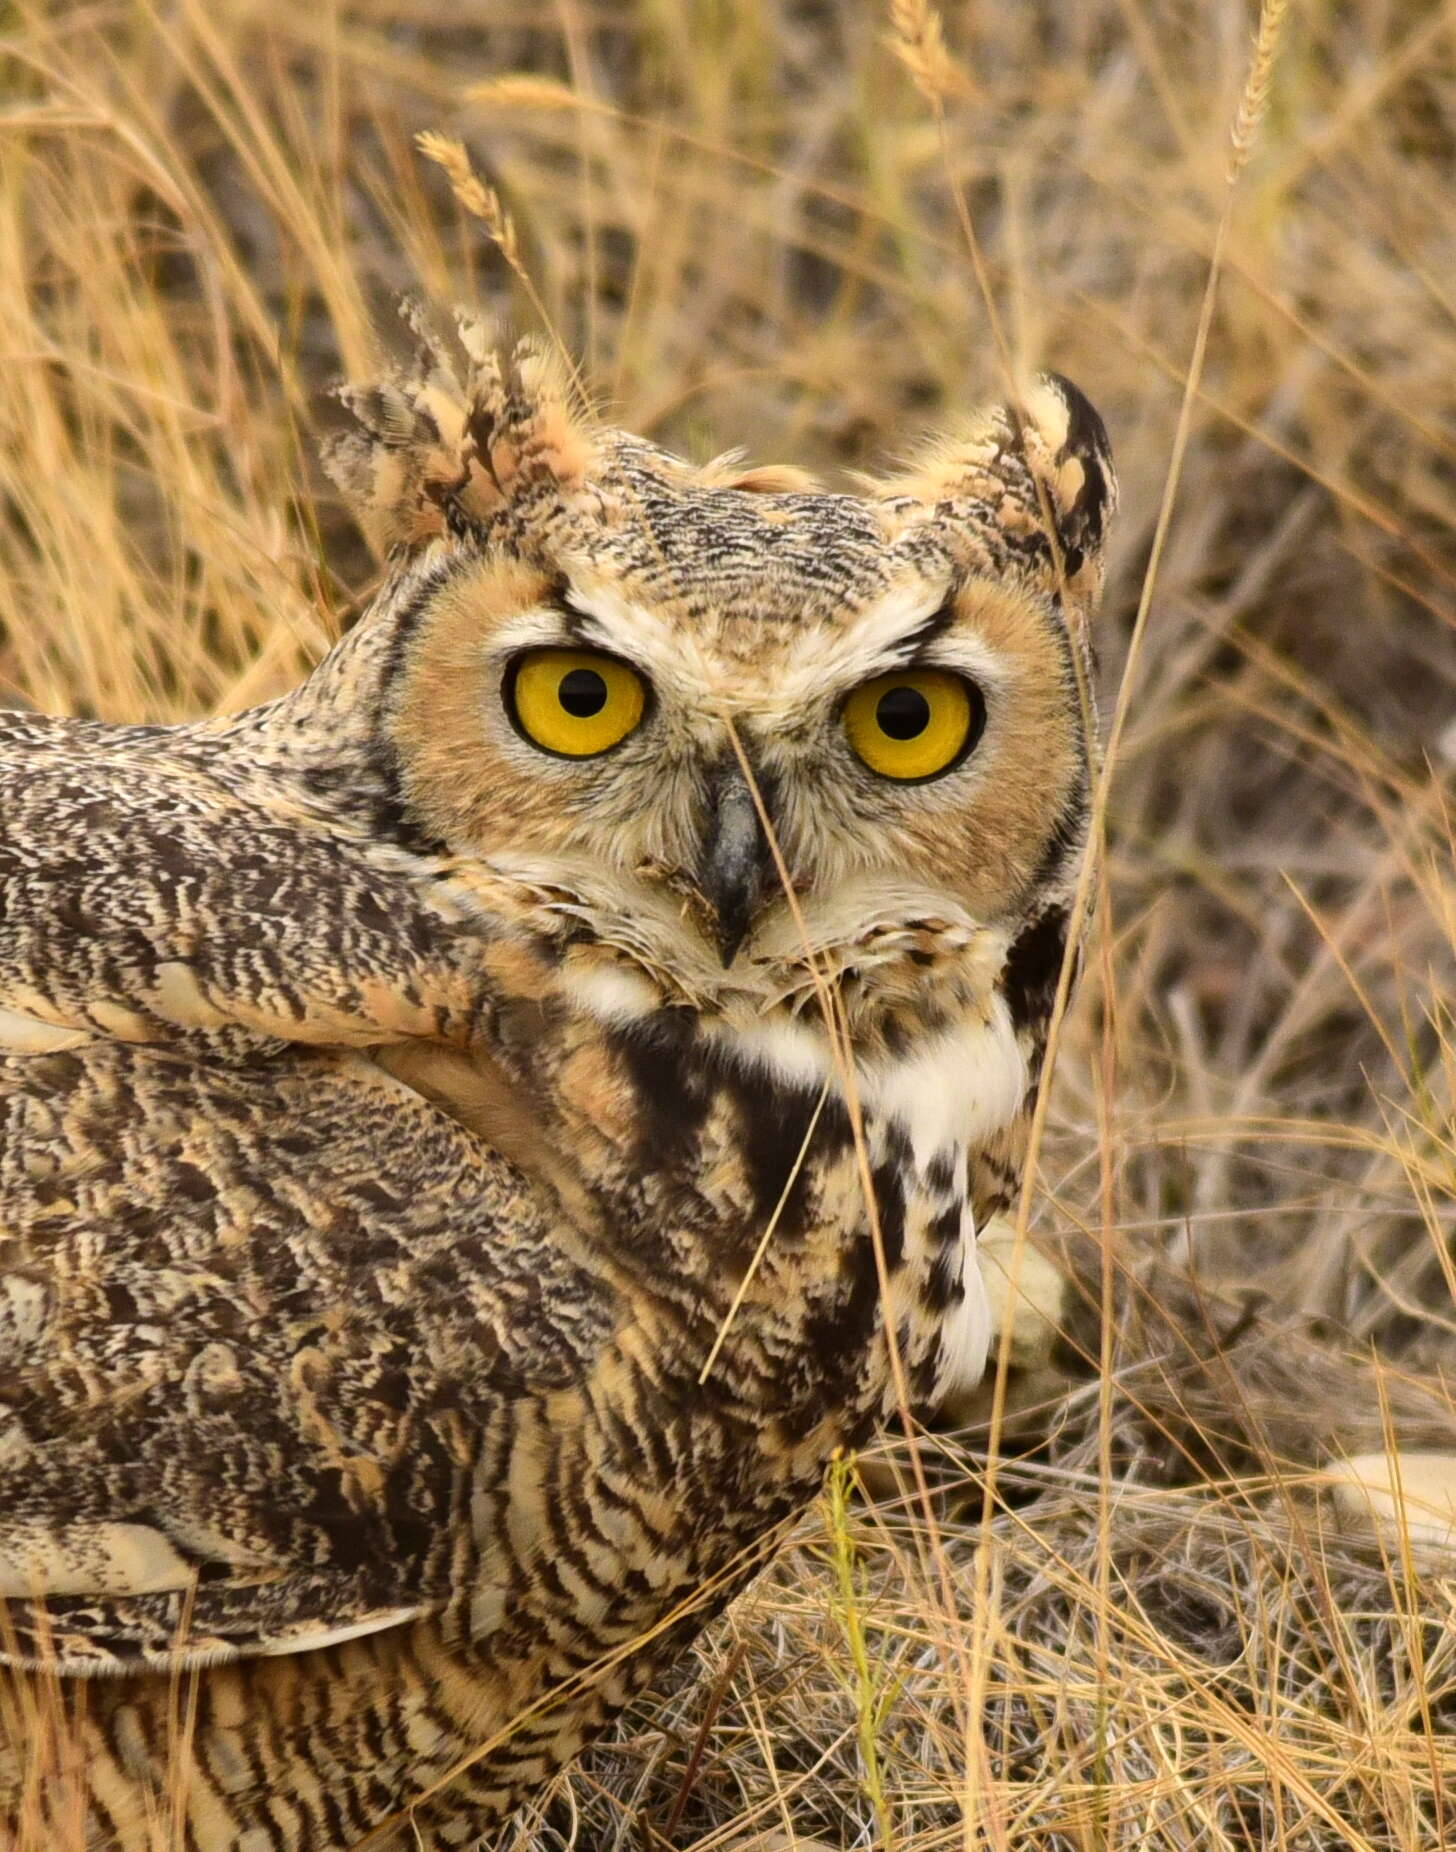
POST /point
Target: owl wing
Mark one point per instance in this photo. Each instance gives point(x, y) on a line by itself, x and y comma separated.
point(145, 900)
point(272, 1340)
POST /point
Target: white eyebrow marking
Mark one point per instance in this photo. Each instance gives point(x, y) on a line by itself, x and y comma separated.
point(891, 622)
point(862, 643)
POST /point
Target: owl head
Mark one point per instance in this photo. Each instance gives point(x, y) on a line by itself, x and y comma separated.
point(743, 732)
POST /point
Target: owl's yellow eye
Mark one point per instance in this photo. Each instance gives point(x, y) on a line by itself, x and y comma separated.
point(574, 702)
point(915, 723)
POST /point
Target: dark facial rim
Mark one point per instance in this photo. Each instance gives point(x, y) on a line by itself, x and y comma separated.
point(974, 733)
point(508, 700)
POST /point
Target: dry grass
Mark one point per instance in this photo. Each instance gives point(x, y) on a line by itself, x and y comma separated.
point(755, 223)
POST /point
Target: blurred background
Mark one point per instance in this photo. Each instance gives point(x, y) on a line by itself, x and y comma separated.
point(760, 222)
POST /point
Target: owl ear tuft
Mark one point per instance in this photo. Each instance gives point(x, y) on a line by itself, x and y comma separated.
point(1029, 488)
point(458, 439)
point(1067, 446)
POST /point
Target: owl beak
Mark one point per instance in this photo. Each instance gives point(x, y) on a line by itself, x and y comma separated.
point(736, 864)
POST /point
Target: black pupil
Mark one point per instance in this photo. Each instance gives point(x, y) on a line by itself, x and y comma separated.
point(902, 713)
point(582, 693)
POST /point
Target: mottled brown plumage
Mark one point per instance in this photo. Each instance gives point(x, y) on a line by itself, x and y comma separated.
point(393, 1110)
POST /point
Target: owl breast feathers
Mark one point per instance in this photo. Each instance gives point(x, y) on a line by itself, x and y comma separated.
point(481, 1130)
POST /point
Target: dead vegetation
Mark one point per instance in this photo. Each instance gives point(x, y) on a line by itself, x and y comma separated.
point(775, 225)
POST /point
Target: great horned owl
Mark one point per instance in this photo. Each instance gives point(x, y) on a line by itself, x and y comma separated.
point(481, 1130)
